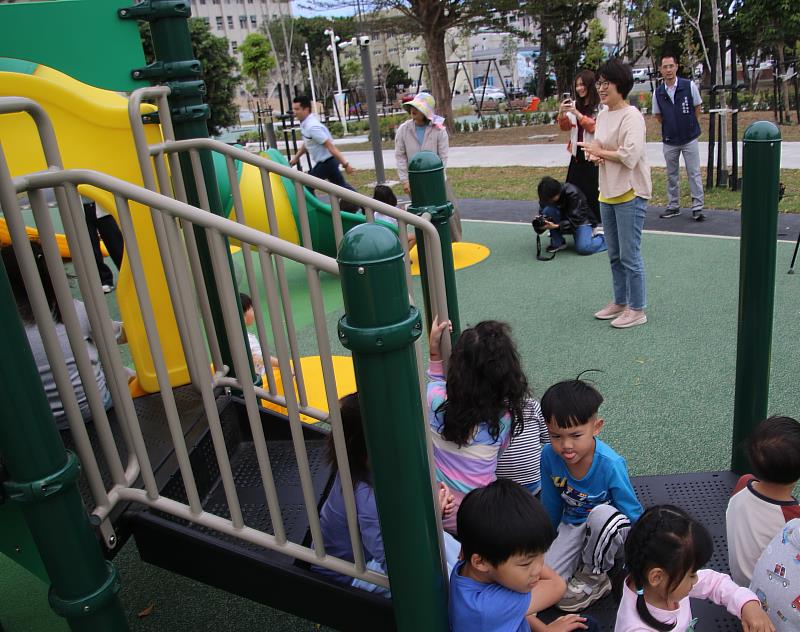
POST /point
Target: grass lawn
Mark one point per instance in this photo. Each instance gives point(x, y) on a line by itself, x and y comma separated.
point(519, 183)
point(552, 133)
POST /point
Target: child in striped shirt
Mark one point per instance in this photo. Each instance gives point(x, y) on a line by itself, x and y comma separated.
point(520, 461)
point(476, 409)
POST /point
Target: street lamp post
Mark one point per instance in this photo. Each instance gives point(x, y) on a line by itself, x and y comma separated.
point(336, 102)
point(366, 64)
point(306, 54)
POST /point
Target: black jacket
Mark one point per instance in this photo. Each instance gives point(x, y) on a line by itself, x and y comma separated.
point(574, 208)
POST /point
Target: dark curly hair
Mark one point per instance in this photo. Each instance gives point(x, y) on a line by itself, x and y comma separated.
point(665, 537)
point(484, 380)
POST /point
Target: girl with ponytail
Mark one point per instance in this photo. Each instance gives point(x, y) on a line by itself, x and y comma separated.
point(664, 553)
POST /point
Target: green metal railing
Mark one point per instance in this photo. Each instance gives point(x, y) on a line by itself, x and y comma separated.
point(760, 184)
point(43, 478)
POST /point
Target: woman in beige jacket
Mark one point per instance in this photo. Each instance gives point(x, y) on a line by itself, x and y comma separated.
point(625, 186)
point(424, 131)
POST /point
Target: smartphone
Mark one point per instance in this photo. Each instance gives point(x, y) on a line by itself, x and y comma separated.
point(567, 96)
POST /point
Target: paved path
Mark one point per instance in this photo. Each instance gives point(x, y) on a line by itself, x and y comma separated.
point(539, 155)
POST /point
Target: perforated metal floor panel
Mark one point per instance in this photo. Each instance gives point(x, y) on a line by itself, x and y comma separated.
point(704, 495)
point(153, 422)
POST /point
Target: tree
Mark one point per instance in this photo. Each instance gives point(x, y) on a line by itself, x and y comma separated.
point(394, 76)
point(776, 24)
point(257, 61)
point(219, 71)
point(563, 36)
point(430, 20)
point(510, 49)
point(595, 54)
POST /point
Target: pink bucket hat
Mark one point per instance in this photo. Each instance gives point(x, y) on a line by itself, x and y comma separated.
point(425, 103)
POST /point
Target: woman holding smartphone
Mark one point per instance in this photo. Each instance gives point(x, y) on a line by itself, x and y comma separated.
point(578, 116)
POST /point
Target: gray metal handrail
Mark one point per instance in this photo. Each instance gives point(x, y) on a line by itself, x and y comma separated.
point(174, 223)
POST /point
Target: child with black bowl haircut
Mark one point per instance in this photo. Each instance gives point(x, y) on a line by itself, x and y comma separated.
point(586, 491)
point(502, 582)
point(762, 504)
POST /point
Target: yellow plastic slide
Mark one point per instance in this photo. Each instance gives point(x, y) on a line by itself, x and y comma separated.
point(93, 133)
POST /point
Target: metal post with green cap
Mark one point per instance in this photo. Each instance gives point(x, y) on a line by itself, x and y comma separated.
point(429, 195)
point(761, 169)
point(176, 66)
point(43, 479)
point(380, 327)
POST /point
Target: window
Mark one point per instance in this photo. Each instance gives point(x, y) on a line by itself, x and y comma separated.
point(207, 21)
point(202, 1)
point(253, 20)
point(234, 46)
point(219, 21)
point(230, 21)
point(249, 1)
point(242, 21)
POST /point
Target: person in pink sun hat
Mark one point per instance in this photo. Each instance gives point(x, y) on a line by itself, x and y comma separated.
point(424, 131)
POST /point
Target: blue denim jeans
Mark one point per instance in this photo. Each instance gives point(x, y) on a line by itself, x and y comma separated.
point(585, 242)
point(623, 224)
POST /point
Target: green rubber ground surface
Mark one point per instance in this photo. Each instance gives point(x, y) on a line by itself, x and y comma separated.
point(668, 386)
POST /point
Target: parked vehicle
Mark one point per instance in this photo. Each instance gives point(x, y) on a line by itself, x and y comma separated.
point(640, 75)
point(488, 94)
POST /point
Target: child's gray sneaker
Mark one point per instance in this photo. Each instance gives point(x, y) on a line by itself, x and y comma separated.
point(583, 590)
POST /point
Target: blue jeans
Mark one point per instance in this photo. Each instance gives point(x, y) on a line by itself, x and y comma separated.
point(623, 224)
point(585, 242)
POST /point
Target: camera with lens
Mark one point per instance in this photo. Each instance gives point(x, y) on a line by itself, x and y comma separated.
point(540, 224)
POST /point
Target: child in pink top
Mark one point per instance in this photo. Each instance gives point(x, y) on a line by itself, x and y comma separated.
point(475, 410)
point(664, 552)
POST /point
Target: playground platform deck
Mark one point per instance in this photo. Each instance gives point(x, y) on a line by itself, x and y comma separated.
point(668, 389)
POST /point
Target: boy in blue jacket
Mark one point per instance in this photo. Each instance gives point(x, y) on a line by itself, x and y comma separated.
point(587, 493)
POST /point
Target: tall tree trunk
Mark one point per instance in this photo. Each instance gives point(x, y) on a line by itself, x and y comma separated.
point(544, 51)
point(784, 84)
point(437, 68)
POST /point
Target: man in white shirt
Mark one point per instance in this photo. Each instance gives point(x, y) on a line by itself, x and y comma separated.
point(318, 143)
point(677, 105)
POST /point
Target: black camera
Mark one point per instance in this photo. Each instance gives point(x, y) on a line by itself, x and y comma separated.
point(540, 224)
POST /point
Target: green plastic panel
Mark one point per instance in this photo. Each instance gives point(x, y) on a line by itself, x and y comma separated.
point(81, 38)
point(16, 541)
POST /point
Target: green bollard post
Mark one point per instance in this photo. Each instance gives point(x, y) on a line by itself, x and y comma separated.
point(380, 328)
point(761, 169)
point(429, 195)
point(43, 477)
point(177, 68)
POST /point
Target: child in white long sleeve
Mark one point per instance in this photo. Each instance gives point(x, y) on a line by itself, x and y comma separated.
point(664, 553)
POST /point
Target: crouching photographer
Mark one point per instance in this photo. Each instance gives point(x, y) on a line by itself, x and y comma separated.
point(564, 210)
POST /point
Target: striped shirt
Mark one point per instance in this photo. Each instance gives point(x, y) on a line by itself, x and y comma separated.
point(466, 467)
point(520, 462)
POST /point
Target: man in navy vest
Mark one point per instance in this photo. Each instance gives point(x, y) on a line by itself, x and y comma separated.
point(676, 105)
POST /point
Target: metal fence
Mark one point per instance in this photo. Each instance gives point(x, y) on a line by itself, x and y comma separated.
point(176, 223)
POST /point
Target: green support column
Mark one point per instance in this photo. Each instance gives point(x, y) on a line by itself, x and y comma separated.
point(380, 328)
point(761, 169)
point(429, 195)
point(43, 477)
point(176, 67)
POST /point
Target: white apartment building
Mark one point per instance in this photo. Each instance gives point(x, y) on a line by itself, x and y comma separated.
point(235, 19)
